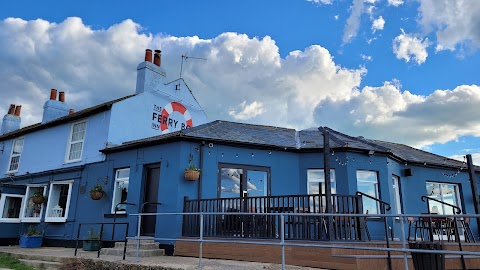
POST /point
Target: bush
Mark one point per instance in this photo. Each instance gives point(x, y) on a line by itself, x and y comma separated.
point(87, 264)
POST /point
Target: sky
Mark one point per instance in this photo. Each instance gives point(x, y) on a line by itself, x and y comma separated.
point(404, 71)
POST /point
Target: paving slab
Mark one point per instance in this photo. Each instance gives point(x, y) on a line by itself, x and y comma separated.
point(59, 254)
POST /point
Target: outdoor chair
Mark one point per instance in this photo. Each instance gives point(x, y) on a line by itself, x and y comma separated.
point(415, 224)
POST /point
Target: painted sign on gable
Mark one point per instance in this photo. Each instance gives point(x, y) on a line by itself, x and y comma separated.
point(172, 117)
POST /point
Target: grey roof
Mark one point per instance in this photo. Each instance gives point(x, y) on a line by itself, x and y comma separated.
point(65, 119)
point(292, 140)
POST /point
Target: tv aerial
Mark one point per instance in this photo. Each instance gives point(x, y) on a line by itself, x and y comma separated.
point(185, 57)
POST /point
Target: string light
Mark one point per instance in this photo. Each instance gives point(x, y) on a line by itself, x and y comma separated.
point(452, 175)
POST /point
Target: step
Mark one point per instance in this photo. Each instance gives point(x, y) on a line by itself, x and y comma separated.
point(133, 245)
point(43, 265)
point(133, 252)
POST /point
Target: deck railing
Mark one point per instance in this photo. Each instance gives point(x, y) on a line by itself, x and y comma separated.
point(267, 226)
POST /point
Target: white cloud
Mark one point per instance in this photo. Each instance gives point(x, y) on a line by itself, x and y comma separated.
point(366, 57)
point(325, 2)
point(406, 47)
point(455, 23)
point(248, 111)
point(95, 66)
point(395, 3)
point(304, 89)
point(475, 158)
point(378, 24)
point(336, 17)
point(353, 22)
point(389, 114)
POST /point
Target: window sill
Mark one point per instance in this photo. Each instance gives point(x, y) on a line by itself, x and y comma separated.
point(72, 161)
point(30, 220)
point(10, 220)
point(58, 220)
point(119, 215)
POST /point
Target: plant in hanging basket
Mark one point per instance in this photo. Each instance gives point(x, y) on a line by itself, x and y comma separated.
point(38, 198)
point(97, 192)
point(192, 173)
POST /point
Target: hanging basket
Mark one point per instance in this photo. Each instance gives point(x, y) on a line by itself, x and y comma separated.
point(38, 199)
point(96, 195)
point(192, 175)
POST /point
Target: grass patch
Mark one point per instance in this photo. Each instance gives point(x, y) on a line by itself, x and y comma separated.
point(13, 263)
point(87, 264)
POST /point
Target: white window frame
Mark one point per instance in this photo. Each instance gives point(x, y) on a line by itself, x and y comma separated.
point(117, 181)
point(396, 192)
point(70, 142)
point(67, 206)
point(26, 200)
point(333, 182)
point(376, 185)
point(457, 193)
point(16, 155)
point(333, 179)
point(3, 199)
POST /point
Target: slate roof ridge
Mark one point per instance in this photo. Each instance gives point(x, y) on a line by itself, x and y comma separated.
point(76, 115)
point(360, 139)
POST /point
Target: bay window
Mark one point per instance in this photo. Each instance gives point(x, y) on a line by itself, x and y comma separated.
point(10, 207)
point(32, 212)
point(58, 201)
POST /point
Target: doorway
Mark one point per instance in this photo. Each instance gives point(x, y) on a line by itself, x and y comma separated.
point(150, 199)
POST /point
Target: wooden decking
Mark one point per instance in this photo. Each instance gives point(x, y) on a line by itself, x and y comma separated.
point(329, 258)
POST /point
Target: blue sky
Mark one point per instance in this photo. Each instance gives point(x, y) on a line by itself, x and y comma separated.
point(403, 71)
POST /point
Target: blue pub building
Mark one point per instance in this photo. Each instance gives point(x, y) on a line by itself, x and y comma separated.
point(137, 148)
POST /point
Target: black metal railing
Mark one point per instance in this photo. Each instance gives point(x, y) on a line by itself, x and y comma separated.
point(115, 215)
point(435, 224)
point(297, 227)
point(384, 206)
point(100, 236)
point(455, 209)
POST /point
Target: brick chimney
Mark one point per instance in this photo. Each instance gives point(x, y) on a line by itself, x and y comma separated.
point(53, 108)
point(11, 121)
point(150, 75)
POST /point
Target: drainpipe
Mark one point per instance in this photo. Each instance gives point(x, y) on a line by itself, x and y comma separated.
point(471, 173)
point(199, 194)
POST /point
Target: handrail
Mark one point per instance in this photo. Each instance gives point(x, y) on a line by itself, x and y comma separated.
point(101, 234)
point(459, 211)
point(375, 199)
point(386, 207)
point(115, 215)
point(145, 203)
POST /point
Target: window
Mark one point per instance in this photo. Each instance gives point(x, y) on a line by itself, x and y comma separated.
point(58, 201)
point(396, 192)
point(32, 212)
point(120, 190)
point(367, 183)
point(10, 207)
point(75, 144)
point(316, 181)
point(17, 148)
point(445, 192)
point(316, 185)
